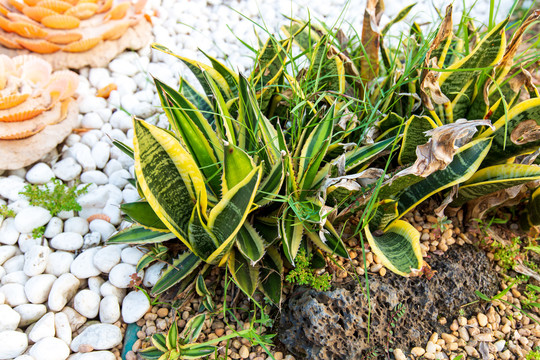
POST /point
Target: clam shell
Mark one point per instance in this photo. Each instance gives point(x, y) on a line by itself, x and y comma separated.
point(116, 31)
point(63, 84)
point(22, 18)
point(37, 12)
point(9, 43)
point(105, 91)
point(31, 2)
point(3, 10)
point(82, 45)
point(7, 102)
point(64, 37)
point(21, 116)
point(58, 6)
point(104, 6)
point(5, 24)
point(118, 12)
point(17, 5)
point(83, 11)
point(22, 134)
point(39, 46)
point(63, 22)
point(27, 30)
point(37, 71)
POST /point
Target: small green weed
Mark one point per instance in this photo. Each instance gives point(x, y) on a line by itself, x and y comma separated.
point(534, 354)
point(55, 196)
point(6, 212)
point(38, 232)
point(506, 254)
point(302, 274)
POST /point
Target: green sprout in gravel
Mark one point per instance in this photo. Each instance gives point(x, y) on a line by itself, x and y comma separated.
point(54, 196)
point(303, 274)
point(6, 212)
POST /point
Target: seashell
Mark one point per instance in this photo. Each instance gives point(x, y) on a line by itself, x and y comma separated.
point(21, 116)
point(83, 11)
point(98, 217)
point(105, 6)
point(37, 12)
point(39, 46)
point(63, 85)
point(36, 70)
point(64, 37)
point(3, 10)
point(17, 5)
point(23, 134)
point(5, 24)
point(28, 30)
point(116, 30)
point(31, 2)
point(7, 102)
point(61, 22)
point(58, 6)
point(82, 45)
point(105, 91)
point(87, 2)
point(22, 18)
point(118, 12)
point(9, 43)
point(64, 108)
point(9, 66)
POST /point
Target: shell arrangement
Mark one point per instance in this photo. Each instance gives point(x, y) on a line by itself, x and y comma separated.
point(32, 98)
point(71, 26)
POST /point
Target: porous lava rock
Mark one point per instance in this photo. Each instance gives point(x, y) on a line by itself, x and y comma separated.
point(334, 324)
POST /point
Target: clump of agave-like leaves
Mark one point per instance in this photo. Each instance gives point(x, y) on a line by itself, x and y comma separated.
point(37, 109)
point(72, 33)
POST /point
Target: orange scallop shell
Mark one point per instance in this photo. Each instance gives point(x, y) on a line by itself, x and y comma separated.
point(31, 2)
point(5, 24)
point(28, 30)
point(3, 10)
point(105, 91)
point(64, 37)
point(21, 116)
point(116, 31)
point(10, 101)
point(82, 45)
point(37, 12)
point(39, 46)
point(63, 22)
point(104, 6)
point(23, 134)
point(17, 5)
point(83, 11)
point(118, 12)
point(56, 5)
point(9, 43)
point(22, 18)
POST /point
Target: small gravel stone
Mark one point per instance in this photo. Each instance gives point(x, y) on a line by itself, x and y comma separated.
point(67, 169)
point(121, 275)
point(131, 255)
point(14, 294)
point(482, 319)
point(7, 252)
point(54, 227)
point(8, 233)
point(62, 327)
point(103, 227)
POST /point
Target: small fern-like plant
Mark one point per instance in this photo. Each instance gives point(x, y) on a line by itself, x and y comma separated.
point(303, 274)
point(54, 196)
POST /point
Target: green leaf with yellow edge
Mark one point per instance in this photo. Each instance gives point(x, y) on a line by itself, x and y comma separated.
point(138, 235)
point(398, 247)
point(160, 342)
point(142, 212)
point(193, 329)
point(327, 72)
point(181, 267)
point(230, 76)
point(245, 275)
point(168, 176)
point(151, 353)
point(270, 275)
point(414, 136)
point(271, 184)
point(250, 243)
point(291, 231)
point(172, 336)
point(195, 351)
point(237, 165)
point(487, 53)
point(224, 121)
point(466, 162)
point(199, 69)
point(326, 239)
point(304, 34)
point(198, 100)
point(226, 218)
point(515, 133)
point(400, 16)
point(356, 159)
point(495, 178)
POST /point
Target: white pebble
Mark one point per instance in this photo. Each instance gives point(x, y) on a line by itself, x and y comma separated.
point(94, 283)
point(43, 328)
point(107, 257)
point(86, 302)
point(123, 67)
point(40, 173)
point(77, 225)
point(134, 306)
point(62, 327)
point(38, 287)
point(99, 336)
point(152, 274)
point(7, 252)
point(101, 152)
point(16, 277)
point(12, 344)
point(92, 120)
point(90, 103)
point(9, 318)
point(28, 241)
point(83, 155)
point(14, 294)
point(11, 186)
point(91, 239)
point(83, 265)
point(62, 291)
point(103, 227)
point(131, 255)
point(8, 233)
point(59, 263)
point(35, 260)
point(54, 227)
point(120, 275)
point(50, 348)
point(109, 309)
point(30, 313)
point(30, 218)
point(109, 289)
point(16, 263)
point(69, 241)
point(94, 176)
point(67, 169)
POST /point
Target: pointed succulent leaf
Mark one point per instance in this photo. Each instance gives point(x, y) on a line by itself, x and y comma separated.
point(533, 208)
point(250, 243)
point(400, 16)
point(305, 35)
point(151, 353)
point(327, 239)
point(271, 184)
point(193, 328)
point(181, 267)
point(369, 62)
point(291, 231)
point(230, 76)
point(160, 342)
point(228, 216)
point(224, 120)
point(495, 178)
point(159, 252)
point(195, 351)
point(398, 247)
point(172, 336)
point(245, 275)
point(168, 176)
point(414, 136)
point(125, 149)
point(198, 100)
point(356, 159)
point(138, 235)
point(142, 212)
point(237, 165)
point(271, 275)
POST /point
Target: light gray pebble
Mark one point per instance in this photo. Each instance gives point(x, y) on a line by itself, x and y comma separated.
point(95, 282)
point(131, 255)
point(16, 277)
point(119, 178)
point(77, 225)
point(69, 241)
point(67, 169)
point(16, 263)
point(107, 257)
point(8, 233)
point(94, 176)
point(103, 227)
point(30, 313)
point(83, 265)
point(35, 260)
point(59, 263)
point(14, 294)
point(92, 120)
point(100, 152)
point(54, 227)
point(89, 103)
point(38, 287)
point(121, 275)
point(109, 309)
point(11, 186)
point(91, 239)
point(121, 120)
point(86, 303)
point(112, 166)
